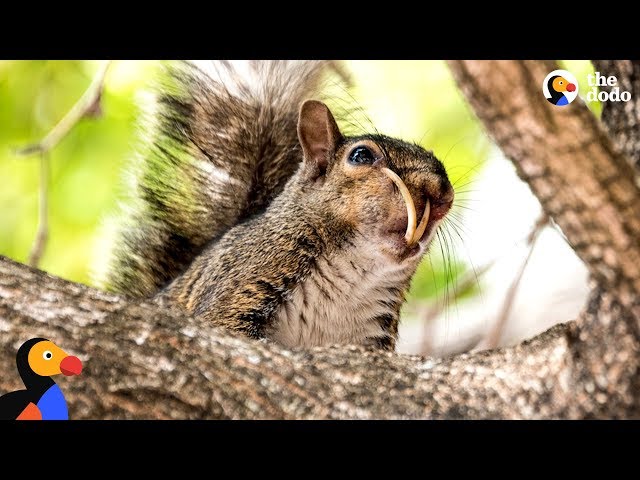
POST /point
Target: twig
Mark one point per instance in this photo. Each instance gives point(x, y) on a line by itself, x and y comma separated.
point(495, 335)
point(87, 105)
point(467, 281)
point(42, 235)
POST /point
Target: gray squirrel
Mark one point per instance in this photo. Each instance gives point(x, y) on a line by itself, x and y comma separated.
point(252, 210)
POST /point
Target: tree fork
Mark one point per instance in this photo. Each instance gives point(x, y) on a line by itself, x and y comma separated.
point(143, 361)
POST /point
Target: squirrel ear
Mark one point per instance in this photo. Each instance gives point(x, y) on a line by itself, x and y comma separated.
point(318, 133)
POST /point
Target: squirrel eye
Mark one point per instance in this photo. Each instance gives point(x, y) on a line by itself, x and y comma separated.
point(361, 156)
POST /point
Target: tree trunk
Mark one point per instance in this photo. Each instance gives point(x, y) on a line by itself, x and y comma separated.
point(570, 163)
point(142, 361)
point(622, 119)
point(584, 174)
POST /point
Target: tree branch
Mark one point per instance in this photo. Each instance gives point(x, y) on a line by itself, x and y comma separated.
point(88, 104)
point(42, 234)
point(622, 119)
point(585, 184)
point(142, 361)
point(495, 334)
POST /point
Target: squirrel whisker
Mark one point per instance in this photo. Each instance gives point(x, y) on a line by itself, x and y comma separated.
point(408, 201)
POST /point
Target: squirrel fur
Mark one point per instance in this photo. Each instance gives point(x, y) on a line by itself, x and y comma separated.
point(252, 210)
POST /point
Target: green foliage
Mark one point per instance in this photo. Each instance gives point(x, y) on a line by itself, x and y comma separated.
point(433, 281)
point(85, 167)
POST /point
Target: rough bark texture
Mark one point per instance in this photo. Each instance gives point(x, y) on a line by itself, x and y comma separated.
point(142, 362)
point(145, 362)
point(623, 118)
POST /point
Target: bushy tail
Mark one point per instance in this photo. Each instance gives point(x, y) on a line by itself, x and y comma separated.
point(219, 146)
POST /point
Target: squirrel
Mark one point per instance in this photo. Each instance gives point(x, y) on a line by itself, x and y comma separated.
point(252, 210)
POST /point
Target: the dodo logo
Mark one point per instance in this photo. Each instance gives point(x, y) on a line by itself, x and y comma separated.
point(560, 87)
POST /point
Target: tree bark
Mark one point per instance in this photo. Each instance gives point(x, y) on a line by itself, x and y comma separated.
point(622, 119)
point(145, 362)
point(584, 175)
point(142, 361)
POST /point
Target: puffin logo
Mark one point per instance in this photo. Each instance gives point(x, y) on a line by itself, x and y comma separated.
point(38, 360)
point(560, 88)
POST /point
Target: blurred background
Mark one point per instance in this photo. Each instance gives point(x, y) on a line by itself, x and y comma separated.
point(462, 289)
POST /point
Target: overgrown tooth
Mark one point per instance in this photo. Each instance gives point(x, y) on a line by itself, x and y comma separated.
point(423, 223)
point(408, 201)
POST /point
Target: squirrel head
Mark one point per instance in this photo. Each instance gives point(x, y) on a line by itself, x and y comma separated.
point(392, 192)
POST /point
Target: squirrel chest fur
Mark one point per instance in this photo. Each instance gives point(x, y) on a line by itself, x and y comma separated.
point(278, 225)
point(347, 297)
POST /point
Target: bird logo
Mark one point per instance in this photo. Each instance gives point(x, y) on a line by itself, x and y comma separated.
point(39, 359)
point(560, 88)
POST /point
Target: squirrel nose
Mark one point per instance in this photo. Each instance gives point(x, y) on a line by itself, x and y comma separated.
point(439, 210)
point(441, 203)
